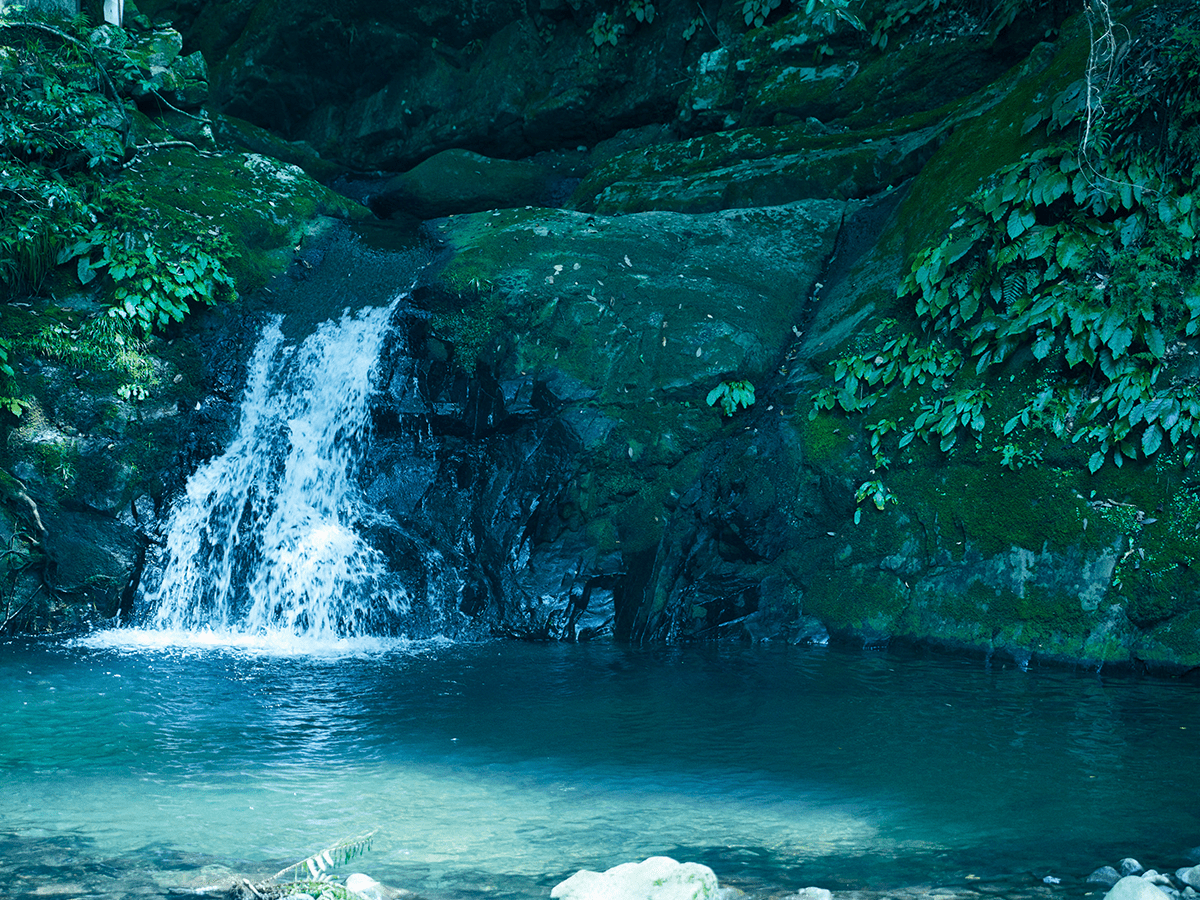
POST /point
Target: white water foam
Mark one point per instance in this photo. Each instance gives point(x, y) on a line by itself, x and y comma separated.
point(265, 551)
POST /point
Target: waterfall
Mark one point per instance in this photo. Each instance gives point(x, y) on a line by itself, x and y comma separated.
point(267, 540)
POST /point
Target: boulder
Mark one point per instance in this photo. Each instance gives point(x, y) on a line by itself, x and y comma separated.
point(757, 167)
point(368, 888)
point(657, 878)
point(1105, 875)
point(1189, 876)
point(459, 181)
point(1133, 887)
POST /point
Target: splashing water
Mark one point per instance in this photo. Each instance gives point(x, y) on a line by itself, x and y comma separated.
point(266, 543)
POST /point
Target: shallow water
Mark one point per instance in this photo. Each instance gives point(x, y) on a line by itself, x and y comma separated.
point(498, 769)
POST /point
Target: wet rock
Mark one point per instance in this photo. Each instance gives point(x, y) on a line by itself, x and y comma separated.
point(657, 878)
point(1189, 875)
point(1105, 875)
point(368, 888)
point(561, 456)
point(1133, 887)
point(1130, 866)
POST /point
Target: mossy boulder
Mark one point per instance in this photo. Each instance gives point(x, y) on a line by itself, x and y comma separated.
point(459, 181)
point(758, 166)
point(265, 206)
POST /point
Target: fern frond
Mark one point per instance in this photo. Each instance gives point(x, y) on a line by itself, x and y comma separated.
point(319, 863)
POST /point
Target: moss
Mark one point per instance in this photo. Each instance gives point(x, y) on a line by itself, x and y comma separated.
point(773, 165)
point(857, 599)
point(828, 439)
point(469, 328)
point(995, 509)
point(1176, 642)
point(262, 205)
point(996, 122)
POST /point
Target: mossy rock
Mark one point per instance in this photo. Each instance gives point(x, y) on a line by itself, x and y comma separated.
point(757, 167)
point(265, 207)
point(1172, 646)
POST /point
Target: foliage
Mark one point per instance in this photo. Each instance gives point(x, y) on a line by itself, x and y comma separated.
point(606, 29)
point(101, 342)
point(730, 395)
point(755, 12)
point(875, 491)
point(1080, 257)
point(988, 16)
point(641, 10)
point(316, 867)
point(64, 141)
point(822, 15)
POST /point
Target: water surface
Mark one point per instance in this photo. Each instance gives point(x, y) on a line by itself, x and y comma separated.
point(498, 769)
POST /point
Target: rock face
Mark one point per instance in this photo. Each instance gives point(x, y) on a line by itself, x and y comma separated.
point(567, 399)
point(651, 239)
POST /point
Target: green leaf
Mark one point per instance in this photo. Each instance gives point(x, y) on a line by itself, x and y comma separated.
point(1151, 440)
point(1015, 226)
point(1120, 340)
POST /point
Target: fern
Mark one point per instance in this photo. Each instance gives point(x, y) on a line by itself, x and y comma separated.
point(319, 863)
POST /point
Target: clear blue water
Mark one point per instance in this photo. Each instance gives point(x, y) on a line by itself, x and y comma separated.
point(499, 769)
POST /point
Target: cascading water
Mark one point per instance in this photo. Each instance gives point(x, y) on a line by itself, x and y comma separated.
point(266, 541)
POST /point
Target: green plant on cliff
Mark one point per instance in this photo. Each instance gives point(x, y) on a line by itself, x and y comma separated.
point(64, 142)
point(607, 28)
point(729, 395)
point(1079, 257)
point(823, 16)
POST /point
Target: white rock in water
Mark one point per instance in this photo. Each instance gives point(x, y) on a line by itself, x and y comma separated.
point(813, 893)
point(369, 889)
point(657, 878)
point(1189, 876)
point(1130, 866)
point(1131, 887)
